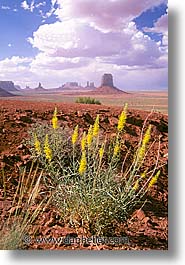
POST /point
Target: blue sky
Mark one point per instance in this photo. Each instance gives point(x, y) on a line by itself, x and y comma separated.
point(30, 29)
point(17, 24)
point(149, 17)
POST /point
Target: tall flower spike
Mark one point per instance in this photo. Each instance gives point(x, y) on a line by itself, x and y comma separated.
point(101, 152)
point(83, 142)
point(47, 149)
point(147, 135)
point(145, 141)
point(96, 127)
point(122, 119)
point(143, 174)
point(136, 185)
point(75, 135)
point(116, 149)
point(90, 136)
point(37, 144)
point(55, 119)
point(83, 164)
point(154, 179)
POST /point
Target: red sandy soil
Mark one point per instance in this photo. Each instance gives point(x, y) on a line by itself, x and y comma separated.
point(147, 228)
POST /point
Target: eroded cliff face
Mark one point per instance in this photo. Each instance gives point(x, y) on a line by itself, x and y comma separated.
point(8, 85)
point(107, 80)
point(4, 93)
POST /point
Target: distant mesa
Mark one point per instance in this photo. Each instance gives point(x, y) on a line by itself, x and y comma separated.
point(18, 87)
point(107, 86)
point(70, 86)
point(75, 86)
point(8, 86)
point(4, 93)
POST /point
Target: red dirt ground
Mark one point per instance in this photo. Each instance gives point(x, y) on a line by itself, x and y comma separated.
point(147, 228)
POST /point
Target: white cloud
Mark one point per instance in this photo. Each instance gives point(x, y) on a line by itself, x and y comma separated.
point(70, 39)
point(43, 61)
point(105, 15)
point(25, 5)
point(161, 26)
point(40, 4)
point(14, 61)
point(32, 6)
point(5, 7)
point(17, 69)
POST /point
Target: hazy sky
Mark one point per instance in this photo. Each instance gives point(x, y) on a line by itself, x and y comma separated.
point(56, 41)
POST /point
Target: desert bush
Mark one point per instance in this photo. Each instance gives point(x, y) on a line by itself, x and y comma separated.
point(87, 100)
point(81, 169)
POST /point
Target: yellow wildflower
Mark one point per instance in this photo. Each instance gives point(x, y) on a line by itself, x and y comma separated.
point(147, 135)
point(75, 135)
point(55, 119)
point(96, 126)
point(145, 141)
point(143, 175)
point(90, 136)
point(83, 164)
point(122, 118)
point(37, 144)
point(101, 152)
point(154, 179)
point(83, 141)
point(116, 149)
point(136, 185)
point(47, 149)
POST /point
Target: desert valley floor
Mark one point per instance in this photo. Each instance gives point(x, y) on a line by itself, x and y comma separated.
point(146, 227)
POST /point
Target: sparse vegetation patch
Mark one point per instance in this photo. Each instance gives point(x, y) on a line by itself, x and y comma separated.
point(87, 100)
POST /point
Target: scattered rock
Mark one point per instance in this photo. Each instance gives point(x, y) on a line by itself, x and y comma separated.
point(25, 119)
point(87, 117)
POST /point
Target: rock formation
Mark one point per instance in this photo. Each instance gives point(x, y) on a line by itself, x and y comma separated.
point(90, 85)
point(107, 86)
point(27, 88)
point(7, 86)
point(40, 87)
point(18, 87)
point(107, 80)
point(71, 86)
point(4, 93)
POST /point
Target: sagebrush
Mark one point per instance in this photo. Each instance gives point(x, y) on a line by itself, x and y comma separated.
point(82, 169)
point(88, 100)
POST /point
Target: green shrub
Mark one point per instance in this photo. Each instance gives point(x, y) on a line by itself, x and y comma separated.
point(87, 100)
point(82, 171)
